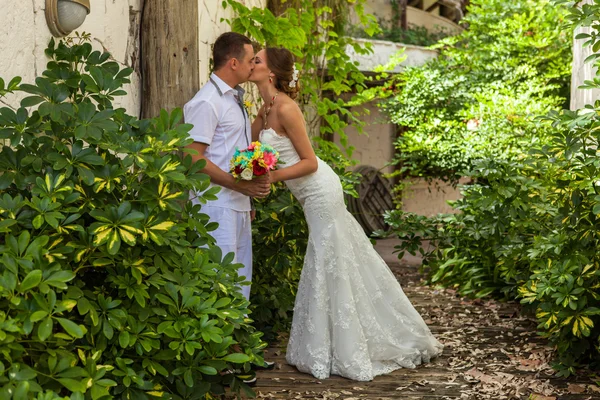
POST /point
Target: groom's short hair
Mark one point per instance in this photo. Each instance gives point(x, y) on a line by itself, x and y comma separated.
point(229, 45)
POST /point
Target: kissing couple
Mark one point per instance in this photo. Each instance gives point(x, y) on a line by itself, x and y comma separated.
point(351, 317)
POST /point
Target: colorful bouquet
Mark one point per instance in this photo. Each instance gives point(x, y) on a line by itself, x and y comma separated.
point(254, 161)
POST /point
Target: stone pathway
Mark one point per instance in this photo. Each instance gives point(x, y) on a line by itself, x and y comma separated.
point(491, 352)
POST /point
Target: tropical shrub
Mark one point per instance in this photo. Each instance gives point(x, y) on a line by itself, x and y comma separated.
point(528, 229)
point(478, 98)
point(104, 291)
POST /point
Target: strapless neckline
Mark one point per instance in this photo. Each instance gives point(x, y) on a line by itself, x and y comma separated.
point(273, 132)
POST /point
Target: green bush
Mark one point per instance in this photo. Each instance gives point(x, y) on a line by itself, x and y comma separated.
point(528, 229)
point(104, 291)
point(478, 98)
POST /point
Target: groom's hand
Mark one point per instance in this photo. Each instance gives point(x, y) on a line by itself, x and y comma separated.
point(258, 188)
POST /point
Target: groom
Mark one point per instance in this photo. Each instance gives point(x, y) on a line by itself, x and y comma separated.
point(221, 125)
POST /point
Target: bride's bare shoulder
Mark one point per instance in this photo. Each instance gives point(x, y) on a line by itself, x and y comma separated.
point(289, 106)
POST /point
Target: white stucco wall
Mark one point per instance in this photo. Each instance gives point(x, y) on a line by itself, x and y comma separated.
point(375, 146)
point(24, 35)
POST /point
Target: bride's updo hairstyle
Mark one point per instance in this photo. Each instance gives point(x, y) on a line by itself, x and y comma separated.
point(281, 62)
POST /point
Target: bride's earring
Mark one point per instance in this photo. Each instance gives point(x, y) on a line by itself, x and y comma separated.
point(270, 80)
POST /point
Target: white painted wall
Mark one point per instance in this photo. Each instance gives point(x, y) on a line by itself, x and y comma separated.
point(24, 35)
point(384, 50)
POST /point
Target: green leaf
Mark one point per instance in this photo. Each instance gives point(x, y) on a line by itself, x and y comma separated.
point(73, 385)
point(124, 339)
point(31, 101)
point(45, 329)
point(21, 391)
point(31, 280)
point(237, 358)
point(188, 379)
point(71, 327)
point(37, 316)
point(222, 302)
point(205, 369)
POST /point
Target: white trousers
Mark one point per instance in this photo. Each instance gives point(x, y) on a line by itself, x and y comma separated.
point(234, 234)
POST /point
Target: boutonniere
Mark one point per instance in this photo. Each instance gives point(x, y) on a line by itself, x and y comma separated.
point(247, 105)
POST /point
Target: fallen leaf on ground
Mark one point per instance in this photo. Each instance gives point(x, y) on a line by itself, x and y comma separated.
point(575, 388)
point(536, 396)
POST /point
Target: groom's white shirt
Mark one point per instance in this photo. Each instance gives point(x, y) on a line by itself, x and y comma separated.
point(218, 122)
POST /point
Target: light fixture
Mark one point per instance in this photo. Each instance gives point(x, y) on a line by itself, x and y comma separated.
point(64, 16)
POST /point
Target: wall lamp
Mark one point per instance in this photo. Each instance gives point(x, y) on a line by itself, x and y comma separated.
point(64, 16)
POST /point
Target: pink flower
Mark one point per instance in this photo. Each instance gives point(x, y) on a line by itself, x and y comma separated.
point(269, 160)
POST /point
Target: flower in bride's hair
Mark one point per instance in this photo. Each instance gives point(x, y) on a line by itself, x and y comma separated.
point(295, 76)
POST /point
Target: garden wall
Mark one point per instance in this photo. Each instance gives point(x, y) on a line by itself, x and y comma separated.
point(429, 199)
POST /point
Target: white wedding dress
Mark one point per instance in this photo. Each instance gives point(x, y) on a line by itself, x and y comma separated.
point(351, 317)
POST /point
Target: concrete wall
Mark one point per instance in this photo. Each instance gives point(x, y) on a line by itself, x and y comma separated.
point(375, 146)
point(24, 35)
point(429, 199)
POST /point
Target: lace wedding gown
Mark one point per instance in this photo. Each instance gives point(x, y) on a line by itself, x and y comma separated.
point(351, 317)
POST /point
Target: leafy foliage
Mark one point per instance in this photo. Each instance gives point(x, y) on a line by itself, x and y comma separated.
point(280, 232)
point(478, 98)
point(528, 229)
point(104, 290)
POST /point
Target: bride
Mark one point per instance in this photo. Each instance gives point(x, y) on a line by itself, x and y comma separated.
point(351, 317)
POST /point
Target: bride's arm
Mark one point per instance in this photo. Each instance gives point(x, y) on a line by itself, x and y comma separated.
point(292, 120)
point(257, 124)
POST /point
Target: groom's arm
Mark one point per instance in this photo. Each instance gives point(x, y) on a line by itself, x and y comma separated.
point(205, 118)
point(255, 188)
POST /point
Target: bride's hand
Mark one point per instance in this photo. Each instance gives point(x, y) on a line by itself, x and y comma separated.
point(271, 175)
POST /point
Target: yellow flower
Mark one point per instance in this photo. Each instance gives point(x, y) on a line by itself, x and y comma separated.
point(258, 154)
